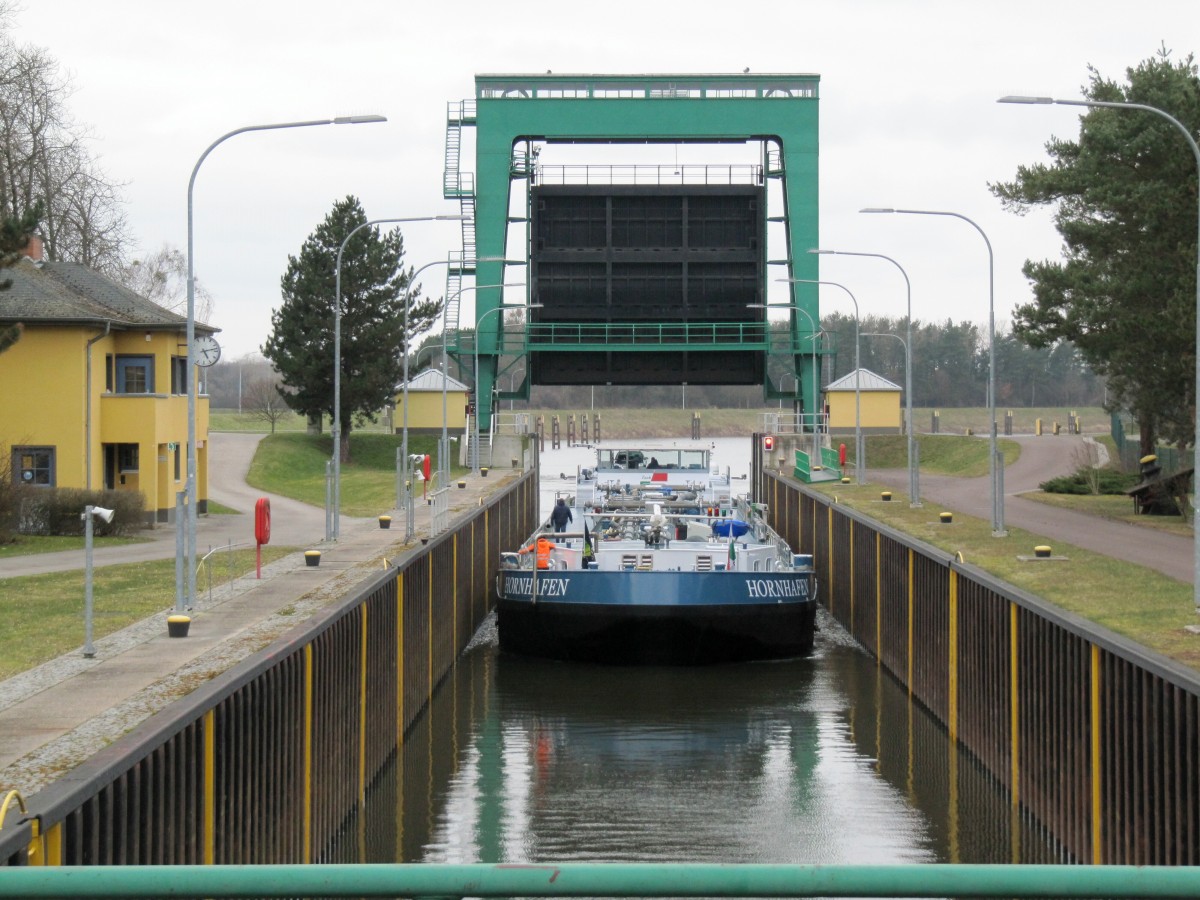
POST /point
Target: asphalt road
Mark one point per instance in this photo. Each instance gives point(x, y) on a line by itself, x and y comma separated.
point(1043, 458)
point(293, 524)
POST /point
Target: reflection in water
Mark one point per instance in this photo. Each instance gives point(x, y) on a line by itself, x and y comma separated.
point(820, 760)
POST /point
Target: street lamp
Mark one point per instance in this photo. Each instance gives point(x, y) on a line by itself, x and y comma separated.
point(336, 427)
point(191, 329)
point(444, 451)
point(995, 469)
point(858, 441)
point(89, 649)
point(816, 385)
point(1112, 104)
point(478, 326)
point(914, 490)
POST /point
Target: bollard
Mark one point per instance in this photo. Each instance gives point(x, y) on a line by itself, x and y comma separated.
point(177, 626)
point(946, 518)
point(312, 557)
point(385, 522)
point(886, 496)
point(845, 479)
point(1042, 551)
point(461, 484)
point(483, 470)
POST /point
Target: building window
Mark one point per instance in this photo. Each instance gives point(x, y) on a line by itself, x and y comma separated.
point(179, 383)
point(177, 467)
point(135, 374)
point(33, 465)
point(127, 457)
point(108, 372)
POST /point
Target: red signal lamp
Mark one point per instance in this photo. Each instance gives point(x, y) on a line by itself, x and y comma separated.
point(768, 443)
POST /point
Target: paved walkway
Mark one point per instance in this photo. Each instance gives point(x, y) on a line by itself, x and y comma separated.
point(293, 523)
point(1043, 458)
point(54, 717)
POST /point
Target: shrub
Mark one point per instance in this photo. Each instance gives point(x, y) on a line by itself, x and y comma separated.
point(1090, 481)
point(10, 500)
point(60, 511)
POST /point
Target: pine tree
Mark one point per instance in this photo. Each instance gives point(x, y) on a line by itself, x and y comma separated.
point(14, 237)
point(1125, 201)
point(373, 285)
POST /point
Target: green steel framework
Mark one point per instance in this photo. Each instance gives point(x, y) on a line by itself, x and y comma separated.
point(779, 110)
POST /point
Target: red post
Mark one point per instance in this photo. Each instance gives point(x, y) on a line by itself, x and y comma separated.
point(842, 455)
point(262, 530)
point(425, 472)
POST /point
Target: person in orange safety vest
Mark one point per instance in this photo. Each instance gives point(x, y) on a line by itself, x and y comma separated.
point(543, 546)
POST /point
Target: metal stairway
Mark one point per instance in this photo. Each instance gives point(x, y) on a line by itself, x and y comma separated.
point(459, 185)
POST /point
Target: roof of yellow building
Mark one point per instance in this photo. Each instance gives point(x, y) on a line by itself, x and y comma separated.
point(869, 382)
point(71, 292)
point(431, 380)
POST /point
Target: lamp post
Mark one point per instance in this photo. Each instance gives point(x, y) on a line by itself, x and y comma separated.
point(816, 385)
point(995, 469)
point(89, 649)
point(336, 427)
point(1195, 147)
point(858, 441)
point(444, 451)
point(914, 501)
point(914, 490)
point(191, 328)
point(478, 323)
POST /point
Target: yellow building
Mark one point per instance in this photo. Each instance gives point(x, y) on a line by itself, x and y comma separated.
point(879, 404)
point(94, 393)
point(425, 404)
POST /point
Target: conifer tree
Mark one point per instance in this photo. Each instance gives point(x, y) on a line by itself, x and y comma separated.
point(14, 237)
point(373, 286)
point(1124, 292)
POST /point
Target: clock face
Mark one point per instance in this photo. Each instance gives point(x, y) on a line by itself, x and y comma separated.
point(208, 351)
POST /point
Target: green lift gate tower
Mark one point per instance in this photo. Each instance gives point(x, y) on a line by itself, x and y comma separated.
point(634, 279)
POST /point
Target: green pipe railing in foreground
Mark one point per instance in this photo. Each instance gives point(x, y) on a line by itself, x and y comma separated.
point(600, 880)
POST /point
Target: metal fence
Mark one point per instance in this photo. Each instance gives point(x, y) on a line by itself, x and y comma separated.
point(270, 762)
point(1095, 738)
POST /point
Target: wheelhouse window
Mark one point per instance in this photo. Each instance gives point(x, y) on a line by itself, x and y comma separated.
point(33, 465)
point(135, 374)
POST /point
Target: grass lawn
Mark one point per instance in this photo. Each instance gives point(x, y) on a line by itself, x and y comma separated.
point(941, 454)
point(294, 465)
point(25, 544)
point(1139, 603)
point(48, 620)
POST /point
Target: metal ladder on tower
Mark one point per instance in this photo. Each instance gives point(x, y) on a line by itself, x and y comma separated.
point(459, 185)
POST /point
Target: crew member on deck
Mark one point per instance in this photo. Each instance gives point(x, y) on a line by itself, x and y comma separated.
point(543, 546)
point(561, 516)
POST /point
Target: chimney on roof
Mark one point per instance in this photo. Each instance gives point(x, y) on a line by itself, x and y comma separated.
point(33, 248)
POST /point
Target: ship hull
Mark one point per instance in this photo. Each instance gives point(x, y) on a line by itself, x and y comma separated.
point(657, 618)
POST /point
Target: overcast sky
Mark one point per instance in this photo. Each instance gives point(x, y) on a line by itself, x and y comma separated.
point(907, 110)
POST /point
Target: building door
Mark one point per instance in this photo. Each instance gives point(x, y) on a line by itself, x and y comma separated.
point(110, 467)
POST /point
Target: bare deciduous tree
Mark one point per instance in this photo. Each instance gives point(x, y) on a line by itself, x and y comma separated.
point(262, 401)
point(161, 276)
point(45, 159)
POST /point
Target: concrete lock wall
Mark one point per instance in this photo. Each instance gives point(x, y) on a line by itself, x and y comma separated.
point(267, 762)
